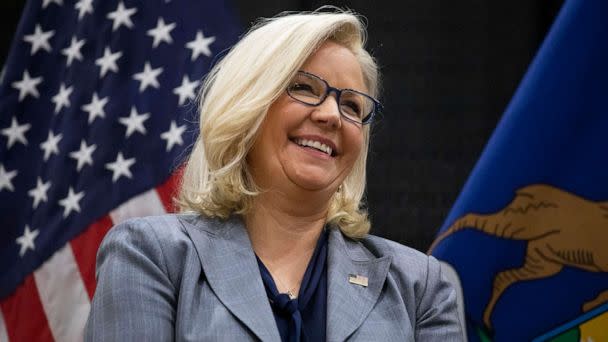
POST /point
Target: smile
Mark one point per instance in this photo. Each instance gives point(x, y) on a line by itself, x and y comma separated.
point(314, 144)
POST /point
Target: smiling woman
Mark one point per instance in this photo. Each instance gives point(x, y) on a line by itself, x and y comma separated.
point(273, 242)
point(242, 88)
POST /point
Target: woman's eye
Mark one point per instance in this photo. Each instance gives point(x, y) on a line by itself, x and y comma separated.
point(352, 108)
point(301, 87)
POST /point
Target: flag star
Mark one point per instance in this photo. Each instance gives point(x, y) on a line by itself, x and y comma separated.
point(200, 45)
point(73, 51)
point(186, 90)
point(174, 135)
point(39, 39)
point(95, 107)
point(84, 7)
point(134, 122)
point(6, 177)
point(84, 155)
point(62, 98)
point(16, 133)
point(50, 145)
point(39, 192)
point(161, 33)
point(70, 202)
point(148, 77)
point(120, 167)
point(27, 86)
point(45, 3)
point(122, 16)
point(26, 241)
point(108, 61)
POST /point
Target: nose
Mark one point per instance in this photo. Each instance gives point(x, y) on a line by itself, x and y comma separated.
point(328, 113)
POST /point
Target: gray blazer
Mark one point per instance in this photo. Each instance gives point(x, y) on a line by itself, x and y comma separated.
point(188, 278)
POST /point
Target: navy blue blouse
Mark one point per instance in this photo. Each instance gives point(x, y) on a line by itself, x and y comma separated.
point(303, 318)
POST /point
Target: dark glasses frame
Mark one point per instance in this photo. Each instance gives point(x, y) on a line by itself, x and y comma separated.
point(367, 119)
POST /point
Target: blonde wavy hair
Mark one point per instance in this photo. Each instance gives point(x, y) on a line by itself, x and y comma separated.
point(235, 98)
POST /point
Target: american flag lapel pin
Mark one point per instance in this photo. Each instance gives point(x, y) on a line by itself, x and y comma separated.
point(357, 279)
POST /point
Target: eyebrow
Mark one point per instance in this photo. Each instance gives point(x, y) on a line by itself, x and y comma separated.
point(365, 91)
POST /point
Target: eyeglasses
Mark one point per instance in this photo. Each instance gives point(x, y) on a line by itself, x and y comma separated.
point(353, 105)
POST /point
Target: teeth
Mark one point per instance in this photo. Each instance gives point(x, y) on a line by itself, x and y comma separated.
point(314, 144)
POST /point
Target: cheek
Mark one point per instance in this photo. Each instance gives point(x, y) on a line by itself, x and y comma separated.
point(355, 142)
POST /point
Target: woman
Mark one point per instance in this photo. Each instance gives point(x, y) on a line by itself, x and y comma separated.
point(275, 246)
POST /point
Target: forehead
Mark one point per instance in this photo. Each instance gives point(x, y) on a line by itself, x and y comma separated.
point(337, 65)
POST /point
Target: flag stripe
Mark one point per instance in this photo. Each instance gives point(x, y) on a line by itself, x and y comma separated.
point(146, 204)
point(168, 190)
point(63, 295)
point(3, 333)
point(85, 248)
point(23, 314)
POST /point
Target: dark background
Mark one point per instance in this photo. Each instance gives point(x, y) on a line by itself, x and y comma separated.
point(449, 69)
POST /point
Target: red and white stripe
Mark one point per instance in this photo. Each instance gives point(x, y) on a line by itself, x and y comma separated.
point(53, 303)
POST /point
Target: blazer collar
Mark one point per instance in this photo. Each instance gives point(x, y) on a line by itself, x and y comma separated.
point(231, 269)
point(349, 304)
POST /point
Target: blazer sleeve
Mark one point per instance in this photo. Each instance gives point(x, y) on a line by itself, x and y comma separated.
point(135, 298)
point(437, 312)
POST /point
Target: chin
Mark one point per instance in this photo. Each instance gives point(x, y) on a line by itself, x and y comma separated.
point(312, 177)
point(313, 184)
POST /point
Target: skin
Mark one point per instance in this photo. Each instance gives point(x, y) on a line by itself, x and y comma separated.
point(288, 217)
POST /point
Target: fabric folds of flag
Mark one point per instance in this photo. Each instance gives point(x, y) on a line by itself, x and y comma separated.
point(97, 110)
point(527, 236)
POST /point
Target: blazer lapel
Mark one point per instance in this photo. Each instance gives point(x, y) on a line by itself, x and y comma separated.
point(348, 304)
point(230, 267)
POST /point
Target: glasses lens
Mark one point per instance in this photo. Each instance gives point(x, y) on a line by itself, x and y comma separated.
point(307, 89)
point(355, 106)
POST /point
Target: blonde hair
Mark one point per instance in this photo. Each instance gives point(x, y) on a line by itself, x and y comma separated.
point(235, 98)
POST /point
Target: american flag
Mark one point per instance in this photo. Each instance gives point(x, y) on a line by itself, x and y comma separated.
point(97, 109)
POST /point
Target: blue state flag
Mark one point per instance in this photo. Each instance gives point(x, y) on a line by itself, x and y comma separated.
point(528, 235)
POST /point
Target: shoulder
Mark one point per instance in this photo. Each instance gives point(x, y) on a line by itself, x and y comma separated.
point(415, 273)
point(403, 259)
point(159, 240)
point(146, 234)
point(420, 276)
point(379, 245)
point(140, 265)
point(169, 228)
